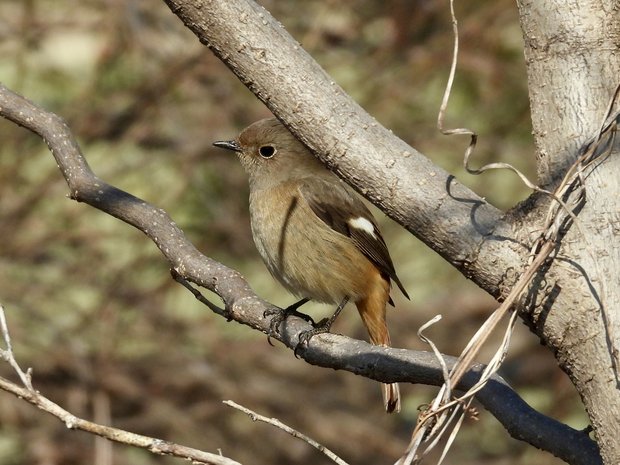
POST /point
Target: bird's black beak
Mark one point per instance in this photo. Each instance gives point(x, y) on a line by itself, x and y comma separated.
point(228, 145)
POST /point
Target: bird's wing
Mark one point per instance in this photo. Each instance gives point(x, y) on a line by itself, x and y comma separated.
point(341, 209)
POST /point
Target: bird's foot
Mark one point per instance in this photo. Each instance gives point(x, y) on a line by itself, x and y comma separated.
point(321, 327)
point(279, 315)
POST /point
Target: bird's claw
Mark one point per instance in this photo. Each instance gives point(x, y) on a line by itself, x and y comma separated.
point(279, 315)
point(321, 327)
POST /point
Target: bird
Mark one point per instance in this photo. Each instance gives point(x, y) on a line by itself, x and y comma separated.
point(315, 234)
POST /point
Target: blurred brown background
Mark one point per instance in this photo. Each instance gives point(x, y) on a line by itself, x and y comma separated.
point(90, 302)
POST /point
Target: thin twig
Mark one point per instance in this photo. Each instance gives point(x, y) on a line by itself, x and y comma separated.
point(201, 298)
point(7, 354)
point(293, 432)
point(153, 445)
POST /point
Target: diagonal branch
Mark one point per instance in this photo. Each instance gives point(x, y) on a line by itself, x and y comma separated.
point(451, 219)
point(245, 307)
point(287, 429)
point(154, 445)
point(34, 397)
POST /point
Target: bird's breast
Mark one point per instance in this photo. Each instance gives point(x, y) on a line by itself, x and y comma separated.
point(308, 257)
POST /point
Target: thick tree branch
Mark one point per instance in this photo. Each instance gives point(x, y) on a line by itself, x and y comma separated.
point(462, 227)
point(242, 304)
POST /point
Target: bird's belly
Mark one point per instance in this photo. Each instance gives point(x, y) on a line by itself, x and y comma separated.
point(304, 254)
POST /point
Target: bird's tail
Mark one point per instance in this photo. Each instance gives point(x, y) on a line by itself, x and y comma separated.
point(372, 311)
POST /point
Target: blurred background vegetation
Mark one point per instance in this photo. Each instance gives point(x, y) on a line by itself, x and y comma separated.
point(90, 302)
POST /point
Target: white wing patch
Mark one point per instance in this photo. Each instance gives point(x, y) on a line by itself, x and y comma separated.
point(363, 224)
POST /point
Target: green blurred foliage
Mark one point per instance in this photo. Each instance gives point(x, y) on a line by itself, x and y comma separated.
point(89, 300)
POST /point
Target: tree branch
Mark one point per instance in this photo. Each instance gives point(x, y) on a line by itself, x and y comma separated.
point(242, 304)
point(451, 219)
point(153, 445)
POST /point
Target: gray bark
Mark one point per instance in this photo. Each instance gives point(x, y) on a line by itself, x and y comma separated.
point(571, 54)
point(573, 65)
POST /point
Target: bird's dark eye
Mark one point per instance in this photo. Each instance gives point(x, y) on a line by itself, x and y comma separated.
point(267, 151)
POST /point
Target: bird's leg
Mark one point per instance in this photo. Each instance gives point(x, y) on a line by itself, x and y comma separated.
point(279, 315)
point(322, 326)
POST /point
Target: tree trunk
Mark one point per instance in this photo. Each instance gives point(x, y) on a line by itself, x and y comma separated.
point(573, 66)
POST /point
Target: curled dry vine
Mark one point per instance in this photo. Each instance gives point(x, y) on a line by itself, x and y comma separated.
point(443, 417)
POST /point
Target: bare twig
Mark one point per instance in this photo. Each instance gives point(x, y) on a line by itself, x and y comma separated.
point(196, 293)
point(293, 432)
point(7, 354)
point(153, 445)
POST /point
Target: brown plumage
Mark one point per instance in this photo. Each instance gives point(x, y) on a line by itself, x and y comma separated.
point(314, 233)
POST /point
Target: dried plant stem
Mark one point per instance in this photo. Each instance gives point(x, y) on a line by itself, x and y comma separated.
point(470, 352)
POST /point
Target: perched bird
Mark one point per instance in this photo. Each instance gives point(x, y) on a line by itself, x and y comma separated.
point(315, 234)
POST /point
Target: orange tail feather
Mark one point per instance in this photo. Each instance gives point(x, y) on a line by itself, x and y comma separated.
point(372, 310)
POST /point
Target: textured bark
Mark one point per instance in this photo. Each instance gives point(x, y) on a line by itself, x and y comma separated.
point(571, 51)
point(573, 65)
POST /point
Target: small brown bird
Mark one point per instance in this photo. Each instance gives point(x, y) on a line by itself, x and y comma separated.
point(315, 234)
